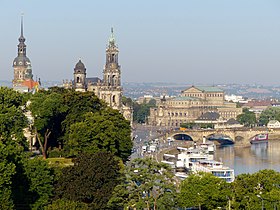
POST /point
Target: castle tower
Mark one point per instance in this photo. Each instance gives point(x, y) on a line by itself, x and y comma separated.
point(21, 64)
point(112, 90)
point(80, 77)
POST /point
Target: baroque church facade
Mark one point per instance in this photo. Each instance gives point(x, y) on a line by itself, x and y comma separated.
point(109, 88)
point(23, 77)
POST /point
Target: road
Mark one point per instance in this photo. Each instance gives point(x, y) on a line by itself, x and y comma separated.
point(144, 134)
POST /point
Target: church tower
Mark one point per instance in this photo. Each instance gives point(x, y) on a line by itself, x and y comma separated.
point(80, 77)
point(21, 64)
point(112, 90)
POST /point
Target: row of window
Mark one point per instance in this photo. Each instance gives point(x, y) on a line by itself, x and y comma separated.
point(185, 103)
point(207, 95)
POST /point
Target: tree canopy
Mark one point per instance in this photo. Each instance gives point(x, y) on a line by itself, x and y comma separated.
point(105, 131)
point(247, 118)
point(12, 119)
point(248, 187)
point(90, 181)
point(79, 122)
point(205, 191)
point(271, 113)
point(147, 184)
point(142, 111)
point(25, 183)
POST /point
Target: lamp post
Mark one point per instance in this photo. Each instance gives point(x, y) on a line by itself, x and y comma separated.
point(199, 205)
point(262, 201)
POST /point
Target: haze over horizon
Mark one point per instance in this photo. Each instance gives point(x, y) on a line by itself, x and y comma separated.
point(192, 42)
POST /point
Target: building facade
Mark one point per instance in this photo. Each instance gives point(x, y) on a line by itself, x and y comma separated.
point(23, 77)
point(190, 105)
point(109, 88)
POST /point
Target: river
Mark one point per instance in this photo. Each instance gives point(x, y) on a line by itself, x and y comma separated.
point(250, 159)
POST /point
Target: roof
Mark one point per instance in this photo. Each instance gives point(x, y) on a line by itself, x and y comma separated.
point(185, 98)
point(232, 121)
point(209, 88)
point(93, 79)
point(30, 84)
point(273, 122)
point(209, 116)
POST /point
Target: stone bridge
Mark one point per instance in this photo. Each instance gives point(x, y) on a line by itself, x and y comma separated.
point(240, 136)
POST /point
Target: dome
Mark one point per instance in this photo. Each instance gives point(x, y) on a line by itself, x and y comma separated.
point(80, 67)
point(21, 61)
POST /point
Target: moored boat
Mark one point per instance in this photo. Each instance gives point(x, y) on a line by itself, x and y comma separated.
point(260, 138)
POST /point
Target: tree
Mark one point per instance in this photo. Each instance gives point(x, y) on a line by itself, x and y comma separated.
point(25, 183)
point(142, 111)
point(147, 184)
point(247, 188)
point(7, 170)
point(247, 118)
point(49, 112)
point(11, 98)
point(12, 119)
point(63, 204)
point(79, 104)
point(127, 101)
point(101, 131)
point(205, 191)
point(92, 178)
point(272, 113)
point(40, 181)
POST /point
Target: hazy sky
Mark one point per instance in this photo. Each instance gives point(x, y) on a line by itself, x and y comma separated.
point(182, 41)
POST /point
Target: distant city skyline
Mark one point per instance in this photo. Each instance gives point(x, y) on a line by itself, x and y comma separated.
point(183, 41)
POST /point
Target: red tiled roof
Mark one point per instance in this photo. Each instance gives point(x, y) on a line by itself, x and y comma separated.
point(30, 83)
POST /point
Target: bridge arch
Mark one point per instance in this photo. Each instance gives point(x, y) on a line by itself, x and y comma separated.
point(182, 136)
point(221, 138)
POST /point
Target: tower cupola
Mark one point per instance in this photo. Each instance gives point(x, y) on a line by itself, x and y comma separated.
point(80, 76)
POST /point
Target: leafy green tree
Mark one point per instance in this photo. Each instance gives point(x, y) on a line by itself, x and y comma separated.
point(25, 183)
point(142, 111)
point(127, 101)
point(40, 182)
point(189, 125)
point(147, 184)
point(91, 180)
point(12, 119)
point(204, 191)
point(12, 122)
point(79, 104)
point(101, 131)
point(62, 204)
point(271, 113)
point(247, 188)
point(7, 170)
point(49, 112)
point(247, 118)
point(11, 98)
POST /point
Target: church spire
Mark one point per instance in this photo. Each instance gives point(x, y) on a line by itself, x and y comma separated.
point(112, 41)
point(21, 38)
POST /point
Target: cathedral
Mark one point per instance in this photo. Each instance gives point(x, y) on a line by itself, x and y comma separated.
point(23, 77)
point(109, 88)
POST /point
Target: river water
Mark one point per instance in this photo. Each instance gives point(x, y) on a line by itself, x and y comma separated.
point(250, 159)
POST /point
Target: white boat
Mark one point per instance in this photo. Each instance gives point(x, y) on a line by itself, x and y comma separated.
point(186, 159)
point(207, 146)
point(216, 168)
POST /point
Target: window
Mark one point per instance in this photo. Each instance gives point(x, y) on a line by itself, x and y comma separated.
point(114, 99)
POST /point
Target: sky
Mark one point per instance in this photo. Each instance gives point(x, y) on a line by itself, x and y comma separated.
point(178, 41)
